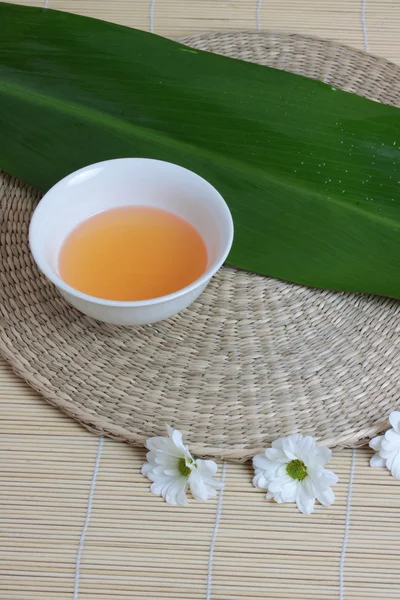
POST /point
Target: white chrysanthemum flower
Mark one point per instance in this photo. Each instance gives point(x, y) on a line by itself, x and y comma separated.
point(173, 470)
point(293, 471)
point(387, 447)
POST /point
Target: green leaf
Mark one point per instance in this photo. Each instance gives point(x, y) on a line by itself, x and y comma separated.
point(310, 173)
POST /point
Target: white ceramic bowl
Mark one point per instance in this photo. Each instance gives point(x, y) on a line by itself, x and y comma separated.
point(130, 182)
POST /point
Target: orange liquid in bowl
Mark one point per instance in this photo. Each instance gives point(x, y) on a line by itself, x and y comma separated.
point(132, 253)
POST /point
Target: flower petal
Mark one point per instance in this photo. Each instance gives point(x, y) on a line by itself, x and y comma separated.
point(376, 443)
point(145, 469)
point(305, 503)
point(176, 492)
point(309, 487)
point(260, 461)
point(289, 491)
point(260, 481)
point(289, 445)
point(294, 439)
point(198, 486)
point(323, 456)
point(393, 463)
point(391, 437)
point(394, 419)
point(160, 485)
point(207, 468)
point(163, 446)
point(280, 483)
point(328, 477)
point(281, 472)
point(306, 450)
point(152, 472)
point(387, 453)
point(275, 470)
point(278, 498)
point(318, 489)
point(377, 461)
point(176, 437)
point(278, 444)
point(153, 443)
point(276, 455)
point(270, 468)
point(326, 497)
point(172, 472)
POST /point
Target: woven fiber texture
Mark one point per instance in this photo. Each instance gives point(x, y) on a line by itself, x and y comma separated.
point(253, 359)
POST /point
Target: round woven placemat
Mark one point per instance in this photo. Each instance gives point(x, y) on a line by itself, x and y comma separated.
point(252, 360)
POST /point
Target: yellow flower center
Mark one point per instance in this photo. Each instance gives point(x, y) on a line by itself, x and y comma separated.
point(184, 470)
point(297, 469)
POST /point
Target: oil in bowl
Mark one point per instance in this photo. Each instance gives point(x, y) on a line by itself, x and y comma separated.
point(132, 253)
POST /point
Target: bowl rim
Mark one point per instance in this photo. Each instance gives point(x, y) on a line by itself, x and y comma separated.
point(65, 287)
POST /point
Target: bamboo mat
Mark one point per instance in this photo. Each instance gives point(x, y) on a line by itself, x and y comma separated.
point(135, 545)
point(138, 547)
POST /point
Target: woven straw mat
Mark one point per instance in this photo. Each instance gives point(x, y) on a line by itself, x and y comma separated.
point(252, 360)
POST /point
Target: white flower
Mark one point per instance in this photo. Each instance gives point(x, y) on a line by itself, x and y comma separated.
point(388, 447)
point(173, 470)
point(292, 471)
